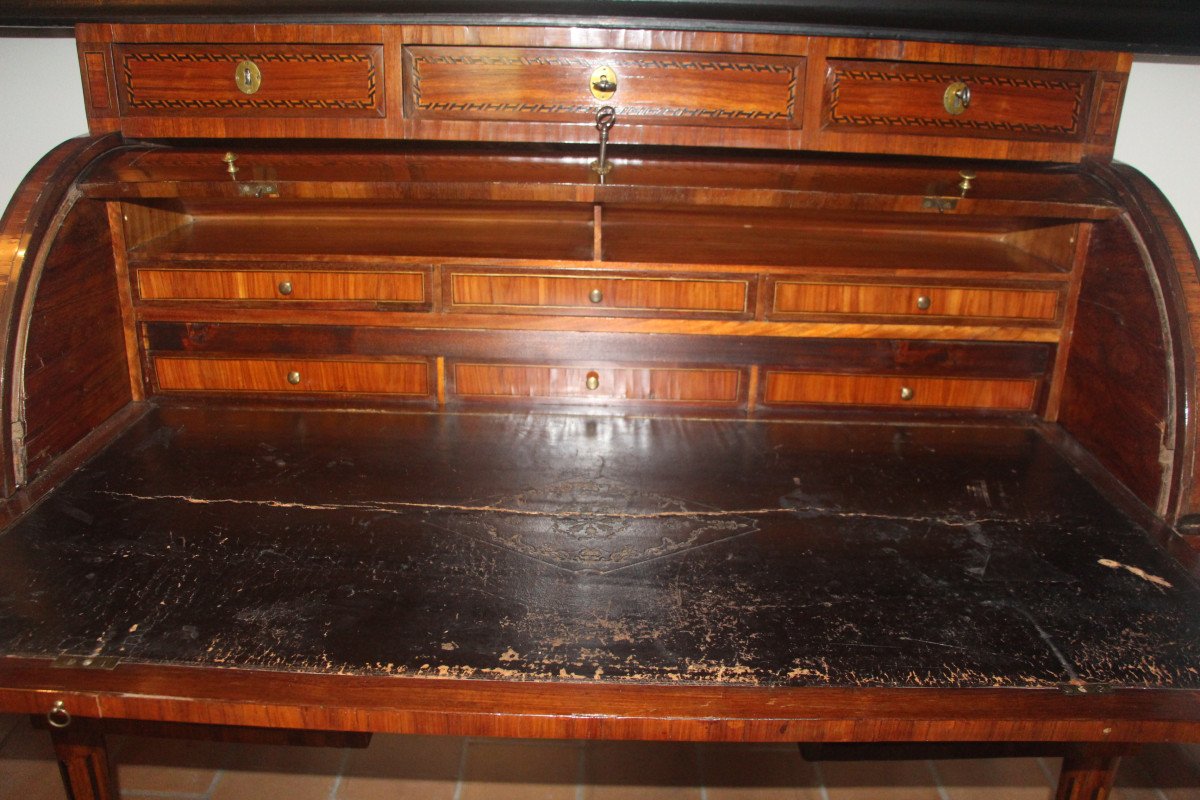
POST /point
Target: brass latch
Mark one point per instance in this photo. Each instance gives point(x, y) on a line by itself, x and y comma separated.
point(1081, 688)
point(85, 662)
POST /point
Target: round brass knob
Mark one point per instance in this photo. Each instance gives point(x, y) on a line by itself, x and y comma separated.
point(593, 381)
point(906, 393)
point(923, 302)
point(293, 377)
point(285, 287)
point(596, 296)
point(229, 160)
point(58, 716)
point(967, 176)
point(957, 98)
point(247, 77)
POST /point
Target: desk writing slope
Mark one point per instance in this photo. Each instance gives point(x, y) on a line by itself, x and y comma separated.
point(850, 396)
point(650, 550)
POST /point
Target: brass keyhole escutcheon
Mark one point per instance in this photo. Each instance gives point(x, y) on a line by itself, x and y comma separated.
point(923, 302)
point(593, 381)
point(603, 83)
point(957, 98)
point(285, 287)
point(596, 296)
point(293, 377)
point(906, 393)
point(247, 76)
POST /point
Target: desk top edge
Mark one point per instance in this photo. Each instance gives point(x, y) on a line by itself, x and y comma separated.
point(1166, 27)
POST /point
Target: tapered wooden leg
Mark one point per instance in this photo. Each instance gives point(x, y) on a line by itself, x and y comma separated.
point(83, 760)
point(1088, 774)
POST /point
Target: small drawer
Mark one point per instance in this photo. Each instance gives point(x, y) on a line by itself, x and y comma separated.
point(293, 80)
point(602, 295)
point(956, 100)
point(296, 286)
point(646, 88)
point(785, 387)
point(870, 299)
point(597, 384)
point(293, 375)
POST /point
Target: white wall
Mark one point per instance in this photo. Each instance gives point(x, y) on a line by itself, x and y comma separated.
point(42, 104)
point(1160, 132)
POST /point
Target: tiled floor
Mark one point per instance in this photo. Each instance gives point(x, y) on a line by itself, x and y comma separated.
point(429, 768)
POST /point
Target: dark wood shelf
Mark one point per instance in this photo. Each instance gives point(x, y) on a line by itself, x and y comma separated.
point(518, 232)
point(654, 550)
point(774, 240)
point(565, 233)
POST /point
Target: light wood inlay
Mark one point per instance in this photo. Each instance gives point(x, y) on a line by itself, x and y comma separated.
point(271, 375)
point(184, 284)
point(653, 88)
point(125, 298)
point(297, 80)
point(614, 383)
point(894, 97)
point(95, 77)
point(944, 301)
point(802, 388)
point(629, 294)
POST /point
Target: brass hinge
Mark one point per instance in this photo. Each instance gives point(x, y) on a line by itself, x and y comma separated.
point(85, 662)
point(1080, 688)
point(940, 204)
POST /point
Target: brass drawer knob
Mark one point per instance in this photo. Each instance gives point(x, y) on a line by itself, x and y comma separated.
point(923, 302)
point(603, 83)
point(965, 184)
point(230, 165)
point(58, 716)
point(285, 287)
point(293, 377)
point(957, 98)
point(906, 393)
point(596, 296)
point(247, 76)
point(593, 381)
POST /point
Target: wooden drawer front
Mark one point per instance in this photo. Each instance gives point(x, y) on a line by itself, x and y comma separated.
point(792, 297)
point(500, 291)
point(290, 285)
point(658, 88)
point(814, 388)
point(296, 80)
point(612, 383)
point(272, 375)
point(889, 97)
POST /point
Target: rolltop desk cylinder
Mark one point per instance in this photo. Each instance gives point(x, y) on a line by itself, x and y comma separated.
point(847, 397)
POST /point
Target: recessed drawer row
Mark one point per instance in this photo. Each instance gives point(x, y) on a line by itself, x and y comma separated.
point(522, 87)
point(603, 294)
point(572, 383)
